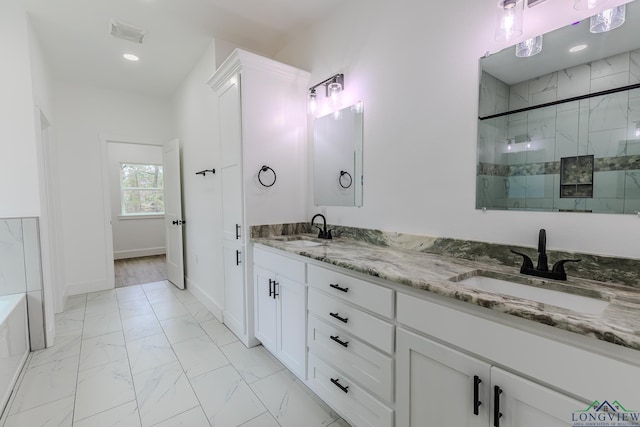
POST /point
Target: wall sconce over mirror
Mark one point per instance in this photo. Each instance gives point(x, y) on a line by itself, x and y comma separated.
point(337, 157)
point(559, 131)
point(333, 86)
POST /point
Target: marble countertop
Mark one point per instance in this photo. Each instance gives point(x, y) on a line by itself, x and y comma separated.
point(619, 323)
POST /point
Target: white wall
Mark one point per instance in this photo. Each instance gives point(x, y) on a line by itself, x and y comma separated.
point(83, 115)
point(415, 65)
point(196, 113)
point(19, 189)
point(133, 236)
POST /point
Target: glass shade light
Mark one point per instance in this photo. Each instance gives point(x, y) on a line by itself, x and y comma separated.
point(588, 4)
point(637, 133)
point(130, 57)
point(333, 92)
point(509, 19)
point(312, 104)
point(530, 47)
point(607, 20)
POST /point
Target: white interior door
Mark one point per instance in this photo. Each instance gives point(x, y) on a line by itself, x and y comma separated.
point(173, 213)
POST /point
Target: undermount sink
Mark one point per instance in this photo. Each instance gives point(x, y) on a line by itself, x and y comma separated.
point(302, 243)
point(573, 302)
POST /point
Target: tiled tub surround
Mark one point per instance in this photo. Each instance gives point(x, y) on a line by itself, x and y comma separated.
point(430, 264)
point(20, 270)
point(519, 154)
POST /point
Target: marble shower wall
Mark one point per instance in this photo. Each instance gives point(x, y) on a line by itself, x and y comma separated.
point(519, 154)
point(20, 270)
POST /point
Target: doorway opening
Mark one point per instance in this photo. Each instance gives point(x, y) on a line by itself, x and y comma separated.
point(140, 270)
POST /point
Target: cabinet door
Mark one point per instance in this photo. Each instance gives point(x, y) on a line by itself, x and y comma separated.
point(526, 404)
point(435, 385)
point(265, 309)
point(230, 122)
point(292, 346)
point(234, 293)
point(232, 218)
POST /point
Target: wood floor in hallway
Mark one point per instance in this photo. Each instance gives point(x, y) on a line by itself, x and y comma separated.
point(138, 271)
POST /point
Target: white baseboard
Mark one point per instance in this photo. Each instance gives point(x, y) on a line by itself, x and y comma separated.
point(136, 253)
point(205, 299)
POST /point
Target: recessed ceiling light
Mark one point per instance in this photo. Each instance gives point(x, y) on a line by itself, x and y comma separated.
point(130, 57)
point(578, 48)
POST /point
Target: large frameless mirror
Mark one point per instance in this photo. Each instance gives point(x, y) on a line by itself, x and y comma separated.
point(337, 157)
point(560, 131)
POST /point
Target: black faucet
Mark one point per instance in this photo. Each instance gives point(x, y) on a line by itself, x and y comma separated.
point(542, 269)
point(323, 233)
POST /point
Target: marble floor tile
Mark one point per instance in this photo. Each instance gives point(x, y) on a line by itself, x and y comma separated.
point(163, 392)
point(226, 399)
point(198, 311)
point(101, 296)
point(149, 352)
point(70, 322)
point(101, 350)
point(125, 415)
point(160, 295)
point(167, 309)
point(181, 328)
point(199, 355)
point(264, 420)
point(192, 418)
point(185, 296)
point(45, 384)
point(292, 403)
point(130, 293)
point(54, 414)
point(101, 307)
point(101, 324)
point(252, 363)
point(141, 326)
point(155, 285)
point(134, 308)
point(65, 346)
point(219, 333)
point(75, 302)
point(103, 387)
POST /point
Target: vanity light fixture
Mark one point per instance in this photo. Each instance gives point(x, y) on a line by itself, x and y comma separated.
point(607, 20)
point(333, 86)
point(530, 47)
point(509, 19)
point(637, 128)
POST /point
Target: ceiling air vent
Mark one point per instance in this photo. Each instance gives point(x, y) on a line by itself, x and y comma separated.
point(127, 32)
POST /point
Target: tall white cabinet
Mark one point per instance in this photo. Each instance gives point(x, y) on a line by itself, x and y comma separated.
point(262, 122)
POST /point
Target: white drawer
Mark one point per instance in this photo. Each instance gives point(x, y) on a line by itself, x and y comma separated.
point(366, 327)
point(353, 403)
point(370, 368)
point(372, 297)
point(284, 266)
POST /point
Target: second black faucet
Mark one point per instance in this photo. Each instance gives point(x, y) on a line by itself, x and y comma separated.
point(542, 269)
point(323, 233)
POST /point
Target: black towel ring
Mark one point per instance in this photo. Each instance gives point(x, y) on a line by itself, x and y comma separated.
point(265, 168)
point(343, 173)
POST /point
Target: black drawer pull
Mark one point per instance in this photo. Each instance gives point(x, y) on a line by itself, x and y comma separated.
point(476, 392)
point(237, 231)
point(337, 339)
point(337, 316)
point(340, 386)
point(497, 391)
point(238, 261)
point(336, 286)
point(271, 291)
point(275, 293)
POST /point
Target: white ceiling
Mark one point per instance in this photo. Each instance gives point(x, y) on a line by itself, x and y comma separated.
point(74, 35)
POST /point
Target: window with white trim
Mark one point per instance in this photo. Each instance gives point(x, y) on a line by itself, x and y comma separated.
point(141, 189)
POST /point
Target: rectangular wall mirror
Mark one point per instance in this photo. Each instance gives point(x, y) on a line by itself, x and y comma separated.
point(560, 131)
point(337, 157)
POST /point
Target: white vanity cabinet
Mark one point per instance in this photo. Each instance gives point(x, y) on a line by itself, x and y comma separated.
point(438, 385)
point(261, 118)
point(351, 345)
point(281, 308)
